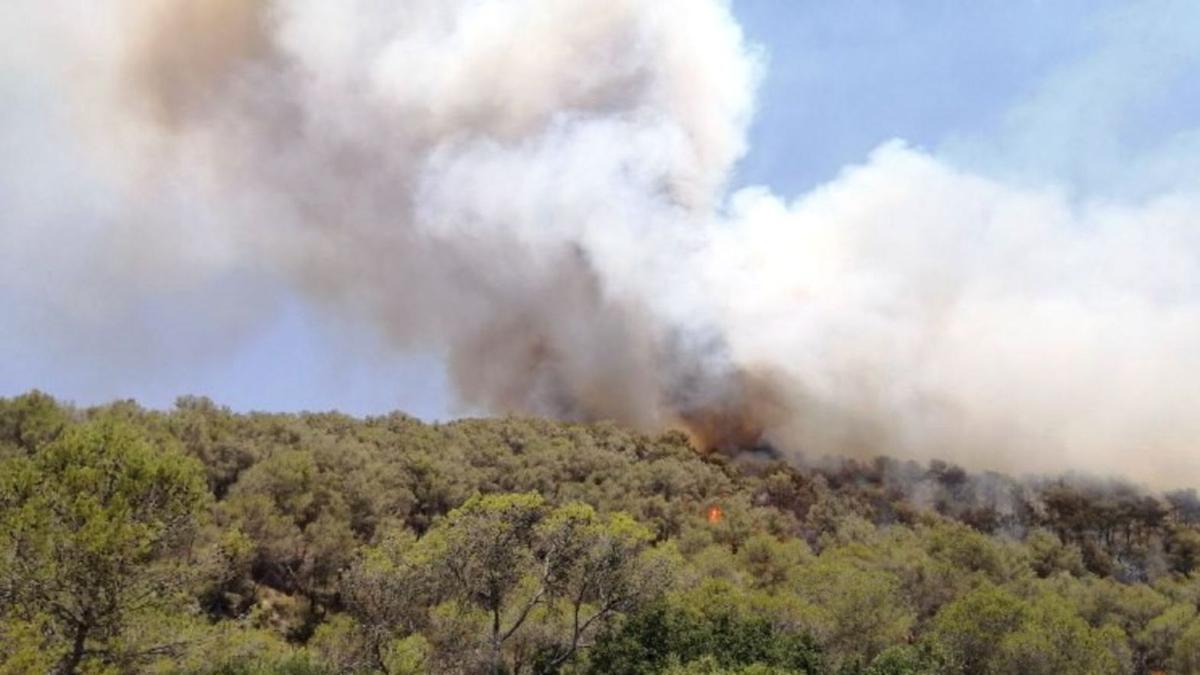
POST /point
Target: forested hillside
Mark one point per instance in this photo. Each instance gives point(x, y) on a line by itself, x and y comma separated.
point(202, 541)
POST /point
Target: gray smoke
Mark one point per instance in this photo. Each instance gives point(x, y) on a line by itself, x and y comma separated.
point(538, 191)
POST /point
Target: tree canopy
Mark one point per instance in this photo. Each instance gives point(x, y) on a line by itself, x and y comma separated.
point(201, 541)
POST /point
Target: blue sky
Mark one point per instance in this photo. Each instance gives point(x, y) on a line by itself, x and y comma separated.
point(1080, 94)
point(845, 76)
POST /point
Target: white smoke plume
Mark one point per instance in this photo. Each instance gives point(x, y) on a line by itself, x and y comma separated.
point(540, 192)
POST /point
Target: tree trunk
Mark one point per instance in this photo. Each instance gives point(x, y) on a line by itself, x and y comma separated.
point(496, 641)
point(70, 662)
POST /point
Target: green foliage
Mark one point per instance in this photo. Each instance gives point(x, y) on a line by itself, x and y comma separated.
point(1053, 640)
point(541, 579)
point(704, 627)
point(1185, 655)
point(89, 521)
point(24, 647)
point(293, 665)
point(1049, 556)
point(967, 632)
point(857, 611)
point(203, 541)
point(905, 660)
point(30, 421)
point(992, 631)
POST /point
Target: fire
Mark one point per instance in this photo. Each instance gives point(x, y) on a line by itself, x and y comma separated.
point(714, 514)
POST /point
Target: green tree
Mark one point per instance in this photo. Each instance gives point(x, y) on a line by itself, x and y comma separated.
point(966, 633)
point(1185, 658)
point(1183, 549)
point(388, 591)
point(904, 660)
point(518, 562)
point(1048, 555)
point(860, 611)
point(605, 567)
point(1158, 639)
point(86, 523)
point(29, 421)
point(710, 629)
point(487, 549)
point(1053, 640)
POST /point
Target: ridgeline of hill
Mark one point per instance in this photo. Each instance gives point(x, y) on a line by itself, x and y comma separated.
point(203, 541)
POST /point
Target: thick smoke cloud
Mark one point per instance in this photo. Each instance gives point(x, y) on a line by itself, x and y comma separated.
point(540, 192)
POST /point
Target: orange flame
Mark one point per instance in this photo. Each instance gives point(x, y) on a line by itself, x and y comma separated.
point(714, 514)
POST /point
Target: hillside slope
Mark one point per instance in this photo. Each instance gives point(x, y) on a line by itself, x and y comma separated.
point(200, 540)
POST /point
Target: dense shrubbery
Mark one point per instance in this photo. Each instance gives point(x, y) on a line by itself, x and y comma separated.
point(202, 541)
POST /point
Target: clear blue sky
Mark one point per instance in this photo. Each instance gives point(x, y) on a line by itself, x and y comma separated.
point(1078, 92)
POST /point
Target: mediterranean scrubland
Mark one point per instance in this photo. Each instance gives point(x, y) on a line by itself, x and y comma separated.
point(203, 541)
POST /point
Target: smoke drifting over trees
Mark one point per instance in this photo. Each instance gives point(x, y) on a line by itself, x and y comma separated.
point(541, 191)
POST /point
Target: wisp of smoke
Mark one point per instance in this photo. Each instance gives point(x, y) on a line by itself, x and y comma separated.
point(539, 191)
